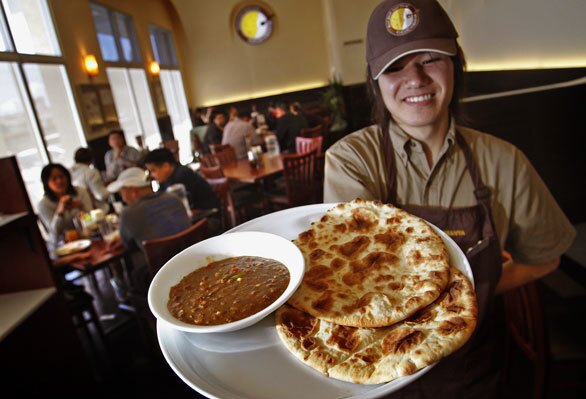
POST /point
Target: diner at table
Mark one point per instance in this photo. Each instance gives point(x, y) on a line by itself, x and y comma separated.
point(61, 204)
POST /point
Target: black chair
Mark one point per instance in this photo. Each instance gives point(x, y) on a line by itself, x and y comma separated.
point(549, 338)
point(157, 252)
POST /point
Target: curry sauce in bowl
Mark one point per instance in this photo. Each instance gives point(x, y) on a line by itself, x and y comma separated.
point(227, 282)
point(228, 290)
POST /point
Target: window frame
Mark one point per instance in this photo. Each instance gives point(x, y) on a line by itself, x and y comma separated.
point(136, 51)
point(170, 45)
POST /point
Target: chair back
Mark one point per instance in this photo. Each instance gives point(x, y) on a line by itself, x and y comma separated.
point(211, 172)
point(306, 144)
point(208, 160)
point(173, 146)
point(299, 174)
point(159, 250)
point(224, 153)
point(526, 327)
point(312, 131)
point(221, 187)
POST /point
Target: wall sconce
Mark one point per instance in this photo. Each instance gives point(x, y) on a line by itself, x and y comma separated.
point(90, 65)
point(154, 68)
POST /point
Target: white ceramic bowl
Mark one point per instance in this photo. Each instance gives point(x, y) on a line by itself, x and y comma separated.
point(250, 243)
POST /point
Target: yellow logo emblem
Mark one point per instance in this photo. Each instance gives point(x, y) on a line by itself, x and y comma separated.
point(402, 19)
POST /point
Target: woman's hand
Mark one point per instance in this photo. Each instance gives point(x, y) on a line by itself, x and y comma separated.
point(67, 202)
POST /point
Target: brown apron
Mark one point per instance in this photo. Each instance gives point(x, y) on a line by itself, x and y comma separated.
point(472, 371)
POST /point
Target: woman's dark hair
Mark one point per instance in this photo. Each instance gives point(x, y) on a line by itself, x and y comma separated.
point(83, 155)
point(381, 115)
point(46, 173)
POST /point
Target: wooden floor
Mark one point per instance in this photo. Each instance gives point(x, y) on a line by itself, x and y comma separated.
point(127, 367)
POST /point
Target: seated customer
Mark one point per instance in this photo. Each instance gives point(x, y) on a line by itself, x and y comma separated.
point(237, 132)
point(147, 215)
point(214, 131)
point(61, 203)
point(120, 156)
point(289, 126)
point(167, 171)
point(86, 176)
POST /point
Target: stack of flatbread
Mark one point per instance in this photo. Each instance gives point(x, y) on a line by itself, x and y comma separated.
point(379, 299)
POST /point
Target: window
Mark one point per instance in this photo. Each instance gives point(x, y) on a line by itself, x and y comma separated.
point(31, 27)
point(39, 122)
point(5, 44)
point(134, 105)
point(176, 102)
point(115, 34)
point(162, 42)
point(172, 87)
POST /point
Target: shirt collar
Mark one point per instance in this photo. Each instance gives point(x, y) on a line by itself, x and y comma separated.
point(402, 142)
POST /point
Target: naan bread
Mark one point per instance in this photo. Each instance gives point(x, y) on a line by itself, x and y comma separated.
point(377, 355)
point(369, 264)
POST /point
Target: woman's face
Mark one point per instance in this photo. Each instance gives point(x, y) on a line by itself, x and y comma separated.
point(58, 182)
point(417, 90)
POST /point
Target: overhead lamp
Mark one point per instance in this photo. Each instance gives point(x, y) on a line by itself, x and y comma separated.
point(154, 68)
point(90, 65)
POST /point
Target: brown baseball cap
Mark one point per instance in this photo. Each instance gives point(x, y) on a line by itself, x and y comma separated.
point(400, 27)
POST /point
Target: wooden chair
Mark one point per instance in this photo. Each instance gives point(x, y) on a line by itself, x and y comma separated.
point(312, 131)
point(208, 160)
point(211, 172)
point(222, 189)
point(173, 146)
point(224, 153)
point(300, 181)
point(538, 334)
point(157, 252)
point(306, 144)
point(83, 312)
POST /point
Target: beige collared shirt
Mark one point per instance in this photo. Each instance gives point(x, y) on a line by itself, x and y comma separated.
point(527, 218)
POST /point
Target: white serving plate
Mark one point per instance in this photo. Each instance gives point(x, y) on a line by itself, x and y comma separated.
point(252, 363)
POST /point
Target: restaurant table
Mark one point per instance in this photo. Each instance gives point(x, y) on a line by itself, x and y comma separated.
point(96, 257)
point(241, 171)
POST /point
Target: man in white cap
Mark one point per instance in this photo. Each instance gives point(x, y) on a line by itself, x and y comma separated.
point(147, 215)
point(479, 189)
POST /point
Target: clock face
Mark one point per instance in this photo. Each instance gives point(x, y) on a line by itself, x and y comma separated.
point(254, 24)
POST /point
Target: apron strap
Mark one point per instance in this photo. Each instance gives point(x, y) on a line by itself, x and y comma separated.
point(391, 168)
point(481, 191)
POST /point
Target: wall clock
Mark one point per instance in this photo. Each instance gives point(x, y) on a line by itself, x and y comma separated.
point(254, 24)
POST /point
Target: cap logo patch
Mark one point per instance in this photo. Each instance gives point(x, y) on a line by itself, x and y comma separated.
point(402, 19)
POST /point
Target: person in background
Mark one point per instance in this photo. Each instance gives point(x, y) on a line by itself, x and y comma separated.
point(83, 174)
point(199, 117)
point(61, 203)
point(146, 215)
point(477, 187)
point(214, 131)
point(142, 150)
point(237, 132)
point(312, 119)
point(289, 126)
point(120, 156)
point(271, 118)
point(167, 171)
